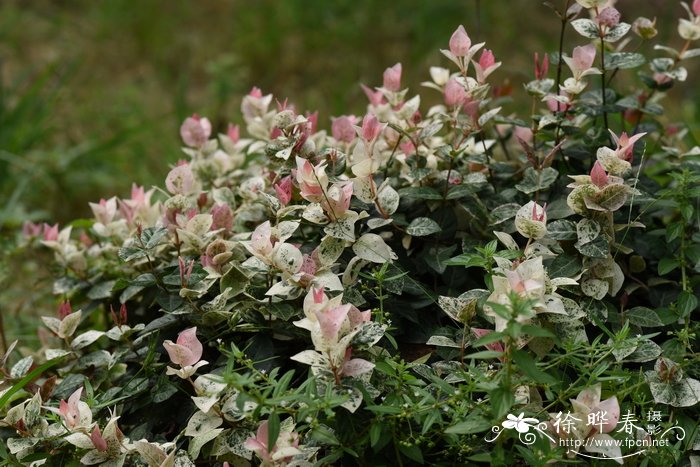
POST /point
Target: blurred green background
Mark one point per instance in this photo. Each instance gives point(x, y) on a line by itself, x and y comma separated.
point(92, 93)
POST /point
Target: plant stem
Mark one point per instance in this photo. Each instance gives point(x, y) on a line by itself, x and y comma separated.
point(602, 83)
point(3, 338)
point(564, 20)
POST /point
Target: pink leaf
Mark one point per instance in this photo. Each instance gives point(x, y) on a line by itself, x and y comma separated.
point(342, 128)
point(234, 133)
point(460, 42)
point(188, 339)
point(375, 97)
point(97, 440)
point(392, 78)
point(332, 320)
point(371, 128)
point(487, 59)
point(195, 131)
point(610, 411)
point(284, 190)
point(178, 354)
point(357, 366)
point(454, 93)
point(598, 175)
point(180, 180)
point(260, 241)
point(50, 232)
point(583, 57)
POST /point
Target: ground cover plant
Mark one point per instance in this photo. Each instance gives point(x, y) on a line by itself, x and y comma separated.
point(443, 285)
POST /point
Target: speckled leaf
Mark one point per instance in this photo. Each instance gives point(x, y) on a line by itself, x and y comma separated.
point(329, 250)
point(616, 32)
point(85, 339)
point(683, 393)
point(371, 247)
point(201, 423)
point(561, 230)
point(644, 317)
point(342, 229)
point(199, 441)
point(598, 248)
point(532, 183)
point(69, 324)
point(388, 199)
point(235, 280)
point(586, 27)
point(587, 230)
point(646, 351)
point(595, 288)
point(21, 367)
point(369, 334)
point(422, 226)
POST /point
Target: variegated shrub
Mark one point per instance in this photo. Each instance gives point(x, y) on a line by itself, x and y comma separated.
point(388, 291)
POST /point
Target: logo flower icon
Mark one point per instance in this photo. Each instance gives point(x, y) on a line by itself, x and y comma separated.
point(520, 423)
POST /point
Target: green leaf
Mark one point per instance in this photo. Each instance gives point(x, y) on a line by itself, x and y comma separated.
point(169, 302)
point(432, 418)
point(419, 192)
point(283, 311)
point(101, 290)
point(673, 231)
point(667, 265)
point(564, 266)
point(31, 376)
point(536, 331)
point(485, 354)
point(488, 339)
point(644, 317)
point(472, 424)
point(412, 451)
point(273, 430)
point(687, 302)
point(460, 191)
point(527, 365)
point(375, 432)
point(422, 226)
point(437, 257)
point(504, 212)
point(467, 260)
point(502, 400)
